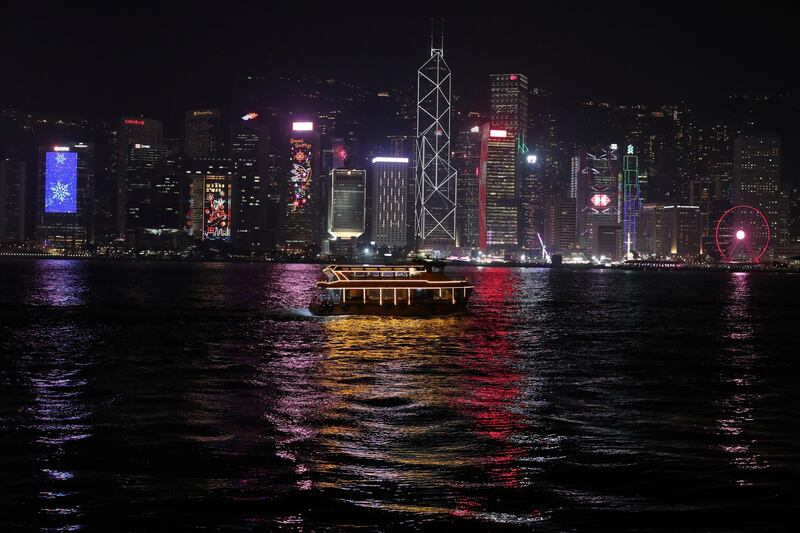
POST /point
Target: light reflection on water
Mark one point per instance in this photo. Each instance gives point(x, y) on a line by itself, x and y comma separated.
point(58, 415)
point(742, 353)
point(140, 392)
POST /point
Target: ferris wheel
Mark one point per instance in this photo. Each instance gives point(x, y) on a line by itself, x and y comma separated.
point(742, 234)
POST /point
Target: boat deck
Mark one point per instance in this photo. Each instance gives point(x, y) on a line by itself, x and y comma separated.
point(394, 290)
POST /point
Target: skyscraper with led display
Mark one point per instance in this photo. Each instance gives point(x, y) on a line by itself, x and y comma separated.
point(597, 183)
point(65, 196)
point(436, 190)
point(209, 206)
point(301, 222)
point(389, 203)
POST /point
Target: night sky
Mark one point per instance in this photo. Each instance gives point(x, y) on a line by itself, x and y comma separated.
point(152, 58)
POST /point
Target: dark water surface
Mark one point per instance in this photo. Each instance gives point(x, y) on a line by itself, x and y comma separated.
point(141, 397)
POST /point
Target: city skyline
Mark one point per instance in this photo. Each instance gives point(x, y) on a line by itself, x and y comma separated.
point(490, 171)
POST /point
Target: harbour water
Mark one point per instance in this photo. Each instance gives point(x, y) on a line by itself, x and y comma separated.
point(176, 396)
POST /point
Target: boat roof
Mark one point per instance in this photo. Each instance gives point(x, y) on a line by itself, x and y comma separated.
point(422, 278)
point(376, 268)
point(441, 283)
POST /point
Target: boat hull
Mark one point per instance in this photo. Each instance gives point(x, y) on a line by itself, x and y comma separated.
point(423, 309)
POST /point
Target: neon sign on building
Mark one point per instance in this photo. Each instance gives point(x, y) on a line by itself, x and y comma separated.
point(600, 200)
point(216, 210)
point(300, 175)
point(302, 126)
point(61, 182)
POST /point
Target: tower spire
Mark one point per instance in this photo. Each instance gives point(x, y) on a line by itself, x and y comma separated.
point(431, 35)
point(442, 45)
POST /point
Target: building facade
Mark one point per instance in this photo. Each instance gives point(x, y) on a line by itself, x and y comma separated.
point(132, 132)
point(667, 231)
point(497, 194)
point(303, 189)
point(596, 194)
point(65, 196)
point(756, 180)
point(13, 201)
point(389, 204)
point(467, 162)
point(559, 224)
point(346, 212)
point(202, 134)
point(248, 152)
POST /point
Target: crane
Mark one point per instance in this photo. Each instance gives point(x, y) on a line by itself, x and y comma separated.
point(545, 255)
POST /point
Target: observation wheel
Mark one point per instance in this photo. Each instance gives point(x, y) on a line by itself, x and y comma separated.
point(742, 235)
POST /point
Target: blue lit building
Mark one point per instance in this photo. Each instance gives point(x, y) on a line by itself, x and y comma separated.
point(65, 197)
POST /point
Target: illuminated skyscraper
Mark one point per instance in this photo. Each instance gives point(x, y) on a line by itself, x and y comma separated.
point(508, 95)
point(504, 150)
point(651, 239)
point(152, 191)
point(211, 185)
point(682, 225)
point(631, 201)
point(390, 193)
point(467, 162)
point(248, 147)
point(202, 134)
point(347, 203)
point(301, 220)
point(246, 138)
point(497, 191)
point(670, 230)
point(65, 198)
point(559, 224)
point(436, 180)
point(531, 202)
point(346, 211)
point(132, 131)
point(12, 201)
point(597, 202)
point(756, 179)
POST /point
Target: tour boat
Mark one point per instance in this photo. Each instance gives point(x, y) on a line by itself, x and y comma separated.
point(412, 290)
